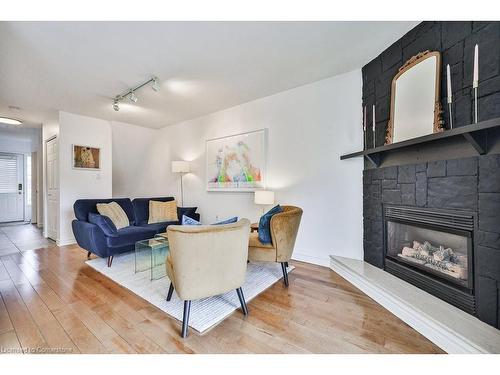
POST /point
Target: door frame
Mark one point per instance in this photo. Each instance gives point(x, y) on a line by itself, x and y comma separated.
point(45, 189)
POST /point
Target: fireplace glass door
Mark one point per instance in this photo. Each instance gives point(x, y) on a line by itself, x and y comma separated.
point(439, 253)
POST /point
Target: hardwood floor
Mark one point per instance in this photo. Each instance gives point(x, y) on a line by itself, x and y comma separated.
point(51, 301)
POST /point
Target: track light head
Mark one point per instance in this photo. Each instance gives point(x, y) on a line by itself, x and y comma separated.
point(130, 93)
point(156, 86)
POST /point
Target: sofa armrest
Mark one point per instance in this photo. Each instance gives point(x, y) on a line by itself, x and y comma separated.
point(104, 223)
point(90, 237)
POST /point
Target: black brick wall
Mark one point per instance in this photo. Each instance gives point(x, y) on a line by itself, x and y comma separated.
point(455, 40)
point(472, 183)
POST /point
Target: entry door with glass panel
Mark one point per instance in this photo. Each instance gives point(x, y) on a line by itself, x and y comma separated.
point(11, 188)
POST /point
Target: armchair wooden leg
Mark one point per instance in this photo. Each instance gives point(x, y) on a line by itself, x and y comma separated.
point(110, 260)
point(242, 301)
point(285, 274)
point(88, 254)
point(185, 318)
point(170, 291)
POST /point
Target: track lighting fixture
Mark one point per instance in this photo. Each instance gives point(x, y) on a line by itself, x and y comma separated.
point(156, 86)
point(131, 93)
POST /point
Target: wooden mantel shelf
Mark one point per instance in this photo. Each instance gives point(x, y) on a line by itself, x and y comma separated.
point(475, 134)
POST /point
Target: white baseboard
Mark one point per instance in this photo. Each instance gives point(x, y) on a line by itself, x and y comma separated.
point(65, 242)
point(450, 328)
point(311, 259)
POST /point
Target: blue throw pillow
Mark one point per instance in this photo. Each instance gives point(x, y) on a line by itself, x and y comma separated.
point(104, 223)
point(186, 220)
point(228, 221)
point(265, 224)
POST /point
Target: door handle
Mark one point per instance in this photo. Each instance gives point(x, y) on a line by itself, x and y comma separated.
point(20, 187)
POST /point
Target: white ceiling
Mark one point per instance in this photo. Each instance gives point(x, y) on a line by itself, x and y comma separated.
point(203, 66)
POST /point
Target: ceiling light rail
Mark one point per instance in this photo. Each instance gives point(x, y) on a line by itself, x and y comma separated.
point(130, 94)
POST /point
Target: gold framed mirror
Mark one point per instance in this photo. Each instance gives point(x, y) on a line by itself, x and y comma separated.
point(415, 99)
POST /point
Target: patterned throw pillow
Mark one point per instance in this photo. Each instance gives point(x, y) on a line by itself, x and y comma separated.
point(160, 212)
point(186, 220)
point(114, 211)
point(228, 221)
point(265, 224)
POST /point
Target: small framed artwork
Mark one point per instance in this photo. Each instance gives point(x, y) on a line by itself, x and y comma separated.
point(237, 162)
point(86, 157)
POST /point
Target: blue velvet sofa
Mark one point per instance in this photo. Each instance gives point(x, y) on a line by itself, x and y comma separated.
point(97, 235)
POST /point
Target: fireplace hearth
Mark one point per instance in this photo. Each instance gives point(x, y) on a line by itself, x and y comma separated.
point(432, 249)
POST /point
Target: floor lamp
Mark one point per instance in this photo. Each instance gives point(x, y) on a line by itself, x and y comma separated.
point(264, 198)
point(181, 167)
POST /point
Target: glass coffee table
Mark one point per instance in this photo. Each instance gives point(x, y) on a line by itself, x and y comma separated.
point(151, 255)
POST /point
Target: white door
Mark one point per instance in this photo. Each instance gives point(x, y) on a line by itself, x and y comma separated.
point(52, 189)
point(11, 188)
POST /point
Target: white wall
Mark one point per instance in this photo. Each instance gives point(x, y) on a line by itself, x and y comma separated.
point(309, 128)
point(135, 167)
point(78, 184)
point(19, 141)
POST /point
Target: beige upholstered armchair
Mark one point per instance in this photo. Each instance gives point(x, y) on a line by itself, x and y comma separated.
point(207, 260)
point(284, 229)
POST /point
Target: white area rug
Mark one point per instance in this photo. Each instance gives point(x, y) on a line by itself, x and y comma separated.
point(205, 313)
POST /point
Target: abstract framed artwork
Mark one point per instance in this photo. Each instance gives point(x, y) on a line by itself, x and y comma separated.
point(237, 162)
point(86, 157)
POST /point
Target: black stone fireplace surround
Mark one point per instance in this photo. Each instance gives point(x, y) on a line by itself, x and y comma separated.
point(443, 175)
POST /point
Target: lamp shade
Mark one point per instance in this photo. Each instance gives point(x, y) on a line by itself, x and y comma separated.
point(264, 197)
point(180, 166)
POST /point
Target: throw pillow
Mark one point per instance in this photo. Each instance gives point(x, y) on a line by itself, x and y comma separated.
point(114, 211)
point(104, 223)
point(228, 221)
point(186, 220)
point(160, 212)
point(265, 224)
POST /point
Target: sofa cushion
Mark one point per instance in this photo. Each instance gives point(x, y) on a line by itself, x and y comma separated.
point(130, 235)
point(104, 223)
point(160, 227)
point(141, 208)
point(265, 224)
point(83, 207)
point(114, 211)
point(162, 211)
point(253, 241)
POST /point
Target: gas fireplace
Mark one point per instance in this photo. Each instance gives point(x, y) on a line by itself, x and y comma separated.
point(432, 249)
